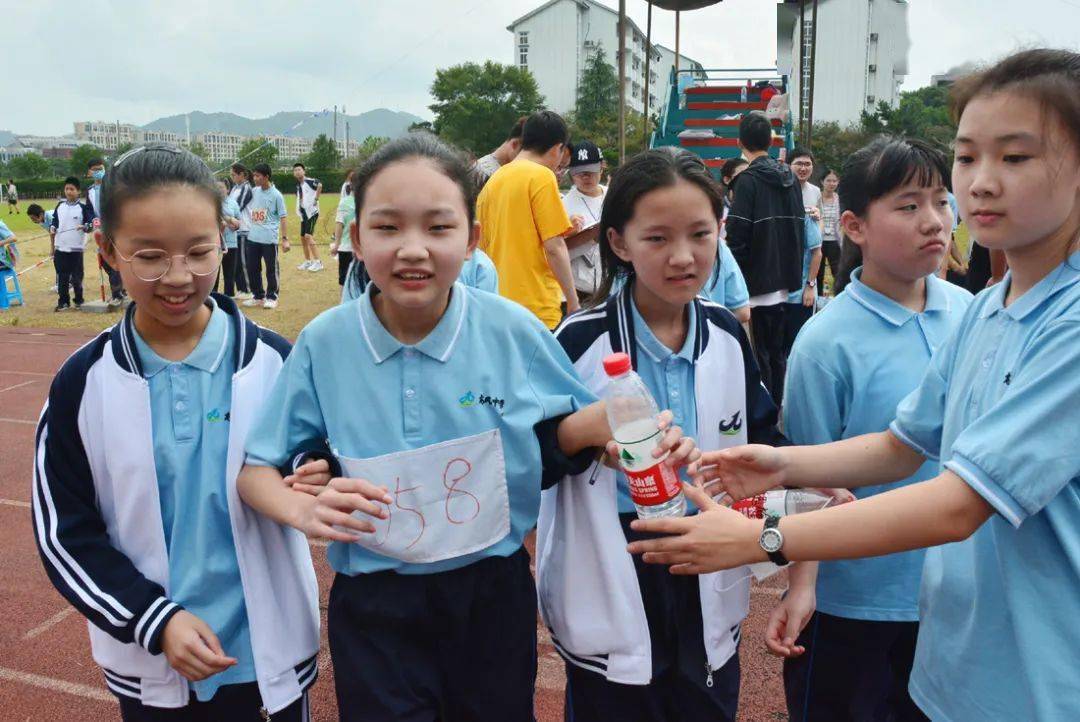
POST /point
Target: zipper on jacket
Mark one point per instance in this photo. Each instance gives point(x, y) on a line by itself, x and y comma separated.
point(708, 675)
point(264, 714)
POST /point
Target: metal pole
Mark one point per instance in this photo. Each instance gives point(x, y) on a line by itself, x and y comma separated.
point(648, 83)
point(333, 143)
point(813, 61)
point(802, 75)
point(677, 38)
point(622, 80)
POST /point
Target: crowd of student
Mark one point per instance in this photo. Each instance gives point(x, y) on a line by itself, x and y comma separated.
point(448, 406)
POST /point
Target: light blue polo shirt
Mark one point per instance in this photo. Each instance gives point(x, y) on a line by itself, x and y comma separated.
point(6, 254)
point(477, 272)
point(190, 402)
point(488, 364)
point(851, 364)
point(346, 210)
point(813, 240)
point(1000, 407)
point(669, 376)
point(46, 222)
point(267, 209)
point(229, 207)
point(729, 288)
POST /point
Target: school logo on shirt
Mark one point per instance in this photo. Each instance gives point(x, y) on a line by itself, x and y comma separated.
point(215, 415)
point(733, 427)
point(469, 399)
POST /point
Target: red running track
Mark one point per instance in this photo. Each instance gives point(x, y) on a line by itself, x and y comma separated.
point(46, 672)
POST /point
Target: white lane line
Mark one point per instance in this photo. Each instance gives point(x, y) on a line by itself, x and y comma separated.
point(18, 421)
point(15, 502)
point(49, 623)
point(18, 386)
point(26, 373)
point(59, 685)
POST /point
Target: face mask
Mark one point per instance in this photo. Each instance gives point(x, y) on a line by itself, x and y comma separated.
point(98, 174)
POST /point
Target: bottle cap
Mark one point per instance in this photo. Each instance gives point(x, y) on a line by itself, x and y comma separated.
point(617, 364)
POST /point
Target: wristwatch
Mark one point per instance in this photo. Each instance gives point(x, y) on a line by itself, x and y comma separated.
point(772, 540)
point(811, 282)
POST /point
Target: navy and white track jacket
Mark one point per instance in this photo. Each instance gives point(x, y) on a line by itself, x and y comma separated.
point(588, 590)
point(97, 521)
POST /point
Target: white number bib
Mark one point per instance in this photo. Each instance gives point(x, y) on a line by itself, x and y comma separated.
point(450, 499)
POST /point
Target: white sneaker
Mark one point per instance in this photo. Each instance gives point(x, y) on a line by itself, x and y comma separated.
point(253, 302)
point(270, 303)
point(304, 266)
point(114, 302)
point(315, 266)
point(243, 296)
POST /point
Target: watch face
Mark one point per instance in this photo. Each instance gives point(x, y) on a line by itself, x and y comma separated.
point(771, 540)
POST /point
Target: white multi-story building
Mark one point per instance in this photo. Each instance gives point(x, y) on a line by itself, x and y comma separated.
point(220, 146)
point(14, 150)
point(106, 135)
point(50, 146)
point(555, 41)
point(861, 55)
point(158, 136)
point(289, 147)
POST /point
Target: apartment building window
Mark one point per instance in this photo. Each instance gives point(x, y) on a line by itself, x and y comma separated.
point(523, 49)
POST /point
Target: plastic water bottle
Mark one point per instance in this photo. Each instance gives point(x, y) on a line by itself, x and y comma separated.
point(779, 502)
point(654, 488)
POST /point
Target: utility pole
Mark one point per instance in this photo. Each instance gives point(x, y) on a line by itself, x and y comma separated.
point(813, 63)
point(334, 142)
point(622, 81)
point(648, 83)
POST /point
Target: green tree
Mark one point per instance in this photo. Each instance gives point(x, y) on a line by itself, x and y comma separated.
point(30, 166)
point(81, 157)
point(253, 152)
point(123, 148)
point(921, 113)
point(475, 105)
point(367, 148)
point(423, 125)
point(323, 155)
point(598, 92)
point(833, 143)
point(200, 150)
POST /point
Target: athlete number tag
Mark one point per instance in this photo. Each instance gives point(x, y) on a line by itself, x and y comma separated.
point(450, 499)
point(258, 215)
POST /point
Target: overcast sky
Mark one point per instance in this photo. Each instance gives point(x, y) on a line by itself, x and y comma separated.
point(137, 61)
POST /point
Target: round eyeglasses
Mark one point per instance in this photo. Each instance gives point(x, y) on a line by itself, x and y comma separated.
point(151, 264)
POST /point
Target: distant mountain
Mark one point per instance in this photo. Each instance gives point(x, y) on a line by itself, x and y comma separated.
point(378, 122)
point(6, 138)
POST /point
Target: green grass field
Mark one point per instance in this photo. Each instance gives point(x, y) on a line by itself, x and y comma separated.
point(303, 294)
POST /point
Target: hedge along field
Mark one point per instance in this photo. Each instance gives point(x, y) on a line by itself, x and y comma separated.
point(303, 294)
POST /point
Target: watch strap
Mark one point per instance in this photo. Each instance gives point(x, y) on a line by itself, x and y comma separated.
point(777, 557)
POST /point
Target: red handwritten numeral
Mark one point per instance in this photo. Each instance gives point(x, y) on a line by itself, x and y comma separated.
point(398, 491)
point(451, 489)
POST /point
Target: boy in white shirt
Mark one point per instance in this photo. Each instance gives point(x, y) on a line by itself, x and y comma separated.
point(583, 204)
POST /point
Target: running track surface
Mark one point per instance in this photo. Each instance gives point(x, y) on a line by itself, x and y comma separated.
point(46, 672)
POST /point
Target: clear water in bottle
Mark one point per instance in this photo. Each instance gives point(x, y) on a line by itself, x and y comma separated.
point(654, 488)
